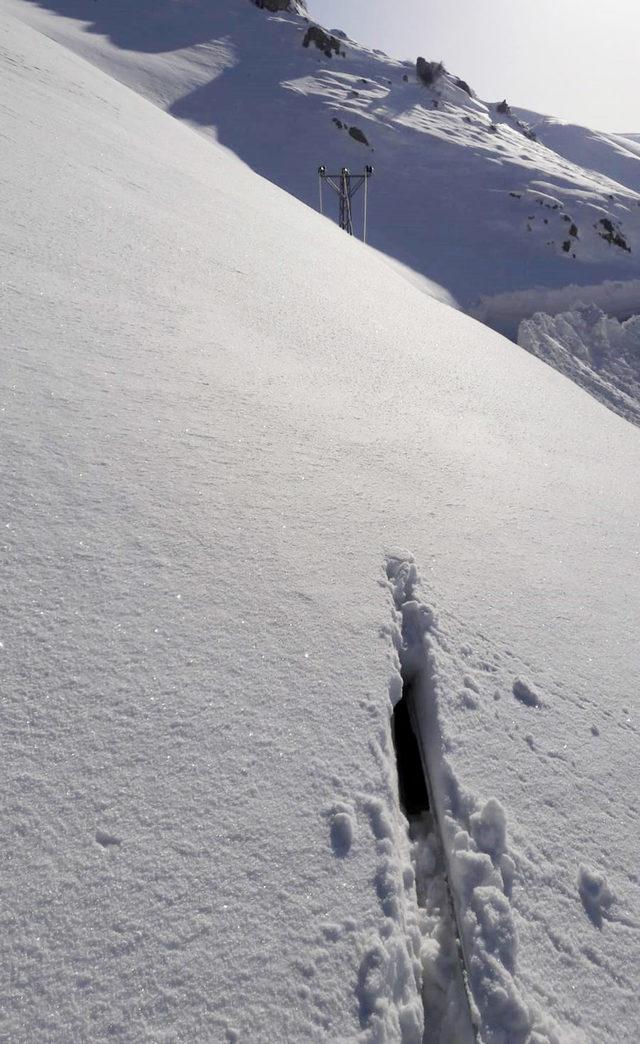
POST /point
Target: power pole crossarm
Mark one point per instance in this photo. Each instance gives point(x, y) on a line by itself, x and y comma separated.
point(345, 185)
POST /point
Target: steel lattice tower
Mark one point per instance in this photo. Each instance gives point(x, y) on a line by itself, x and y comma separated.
point(345, 185)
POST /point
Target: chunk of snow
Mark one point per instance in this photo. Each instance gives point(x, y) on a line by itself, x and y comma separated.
point(489, 829)
point(596, 895)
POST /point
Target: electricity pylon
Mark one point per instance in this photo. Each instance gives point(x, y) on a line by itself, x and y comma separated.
point(346, 184)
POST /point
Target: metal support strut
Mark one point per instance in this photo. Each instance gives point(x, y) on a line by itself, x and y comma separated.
point(346, 184)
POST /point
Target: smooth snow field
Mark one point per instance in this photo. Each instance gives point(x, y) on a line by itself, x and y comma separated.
point(255, 485)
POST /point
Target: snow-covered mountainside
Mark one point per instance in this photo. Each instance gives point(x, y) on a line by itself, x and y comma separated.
point(255, 502)
point(464, 193)
point(616, 156)
point(503, 213)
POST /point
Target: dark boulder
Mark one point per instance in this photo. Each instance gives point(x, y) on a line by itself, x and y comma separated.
point(323, 41)
point(294, 6)
point(358, 135)
point(612, 235)
point(464, 86)
point(429, 72)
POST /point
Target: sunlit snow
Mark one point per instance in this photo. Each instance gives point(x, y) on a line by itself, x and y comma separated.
point(255, 484)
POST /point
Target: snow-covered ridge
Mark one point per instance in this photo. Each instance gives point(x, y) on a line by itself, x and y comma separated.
point(616, 156)
point(461, 187)
point(496, 209)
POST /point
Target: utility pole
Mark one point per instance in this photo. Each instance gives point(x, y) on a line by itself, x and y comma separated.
point(345, 185)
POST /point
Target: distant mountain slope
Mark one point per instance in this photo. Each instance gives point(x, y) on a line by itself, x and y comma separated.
point(462, 193)
point(616, 156)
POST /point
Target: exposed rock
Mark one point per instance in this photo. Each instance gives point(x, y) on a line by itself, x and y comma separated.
point(358, 135)
point(612, 235)
point(429, 72)
point(503, 108)
point(293, 6)
point(464, 86)
point(323, 41)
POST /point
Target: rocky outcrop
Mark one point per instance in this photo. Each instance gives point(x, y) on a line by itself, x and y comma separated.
point(293, 6)
point(429, 72)
point(358, 135)
point(464, 86)
point(323, 41)
point(608, 231)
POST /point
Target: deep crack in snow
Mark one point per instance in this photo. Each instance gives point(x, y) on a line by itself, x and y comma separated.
point(448, 1002)
point(412, 787)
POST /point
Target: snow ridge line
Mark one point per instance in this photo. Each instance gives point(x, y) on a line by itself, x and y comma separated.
point(479, 871)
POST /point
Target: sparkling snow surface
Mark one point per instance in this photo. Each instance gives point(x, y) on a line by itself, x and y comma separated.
point(220, 417)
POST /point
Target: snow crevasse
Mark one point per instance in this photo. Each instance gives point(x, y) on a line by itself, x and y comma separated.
point(478, 869)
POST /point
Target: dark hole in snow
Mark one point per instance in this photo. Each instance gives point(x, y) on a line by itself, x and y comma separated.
point(411, 782)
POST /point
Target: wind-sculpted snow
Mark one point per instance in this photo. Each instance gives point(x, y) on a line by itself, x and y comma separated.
point(208, 442)
point(599, 353)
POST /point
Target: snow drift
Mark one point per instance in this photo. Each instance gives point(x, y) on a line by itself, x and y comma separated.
point(600, 354)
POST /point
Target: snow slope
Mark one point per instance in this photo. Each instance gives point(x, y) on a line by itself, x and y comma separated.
point(462, 194)
point(210, 448)
point(617, 156)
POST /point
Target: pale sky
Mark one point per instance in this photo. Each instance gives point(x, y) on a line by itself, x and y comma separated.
point(577, 59)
